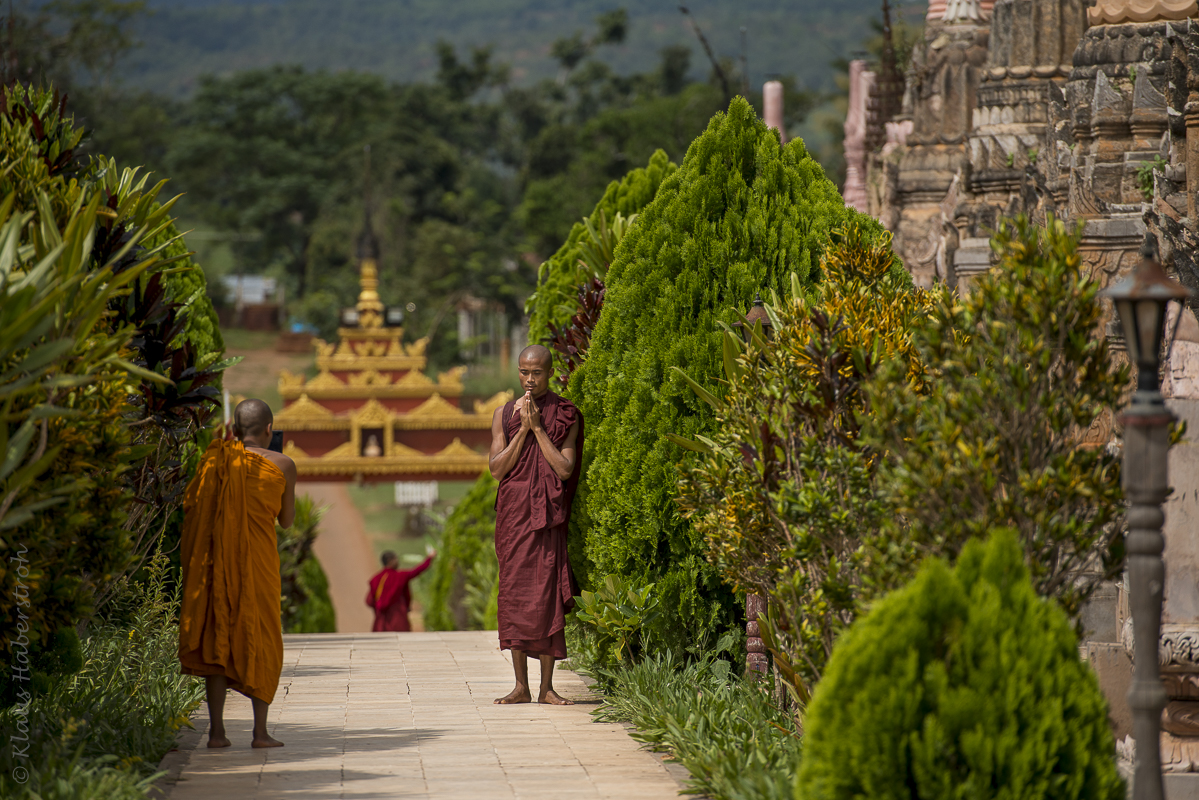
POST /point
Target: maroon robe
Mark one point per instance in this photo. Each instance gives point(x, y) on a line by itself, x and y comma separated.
point(532, 513)
point(391, 598)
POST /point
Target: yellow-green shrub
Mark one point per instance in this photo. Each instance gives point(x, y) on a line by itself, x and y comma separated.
point(781, 490)
point(963, 683)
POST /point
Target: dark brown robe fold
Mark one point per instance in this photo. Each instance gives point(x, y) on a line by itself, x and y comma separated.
point(532, 514)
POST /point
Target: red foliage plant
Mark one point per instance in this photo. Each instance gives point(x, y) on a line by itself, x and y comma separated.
point(570, 342)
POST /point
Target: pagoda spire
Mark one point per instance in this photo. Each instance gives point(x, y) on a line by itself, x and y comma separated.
point(370, 308)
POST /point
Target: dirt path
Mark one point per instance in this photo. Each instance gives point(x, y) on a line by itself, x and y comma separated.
point(258, 373)
point(345, 554)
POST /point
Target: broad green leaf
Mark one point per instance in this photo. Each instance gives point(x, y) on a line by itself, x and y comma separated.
point(703, 393)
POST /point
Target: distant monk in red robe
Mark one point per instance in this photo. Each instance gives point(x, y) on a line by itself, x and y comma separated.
point(534, 445)
point(389, 594)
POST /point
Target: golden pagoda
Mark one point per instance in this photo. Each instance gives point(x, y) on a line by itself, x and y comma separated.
point(371, 413)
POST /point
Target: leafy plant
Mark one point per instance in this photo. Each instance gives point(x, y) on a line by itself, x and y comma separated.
point(964, 683)
point(570, 342)
point(63, 390)
point(600, 248)
point(726, 731)
point(83, 269)
point(1017, 372)
point(782, 491)
point(87, 737)
point(617, 613)
point(1145, 174)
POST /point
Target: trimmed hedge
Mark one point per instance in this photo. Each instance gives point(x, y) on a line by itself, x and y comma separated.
point(558, 283)
point(465, 570)
point(964, 683)
point(739, 216)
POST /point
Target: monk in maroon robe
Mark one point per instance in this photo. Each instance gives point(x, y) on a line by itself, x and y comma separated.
point(390, 596)
point(534, 445)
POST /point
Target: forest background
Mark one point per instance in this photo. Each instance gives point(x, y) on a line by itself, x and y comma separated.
point(494, 126)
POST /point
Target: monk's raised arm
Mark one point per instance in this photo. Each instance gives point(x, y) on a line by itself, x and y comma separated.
point(503, 457)
point(562, 462)
point(287, 514)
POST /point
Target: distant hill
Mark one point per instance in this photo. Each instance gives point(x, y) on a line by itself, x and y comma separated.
point(185, 39)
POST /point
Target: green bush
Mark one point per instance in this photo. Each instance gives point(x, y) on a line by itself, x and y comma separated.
point(461, 589)
point(305, 603)
point(964, 683)
point(316, 615)
point(727, 732)
point(558, 278)
point(102, 731)
point(781, 491)
point(1018, 370)
point(92, 324)
point(616, 613)
point(738, 217)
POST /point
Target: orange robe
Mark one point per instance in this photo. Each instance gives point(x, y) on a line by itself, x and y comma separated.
point(230, 622)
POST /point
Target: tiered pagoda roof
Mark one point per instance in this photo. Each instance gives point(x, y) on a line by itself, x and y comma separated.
point(371, 413)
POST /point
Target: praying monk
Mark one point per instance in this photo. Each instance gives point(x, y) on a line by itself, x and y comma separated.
point(230, 630)
point(535, 441)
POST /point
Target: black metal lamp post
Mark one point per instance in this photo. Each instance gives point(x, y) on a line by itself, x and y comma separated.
point(1141, 301)
point(756, 662)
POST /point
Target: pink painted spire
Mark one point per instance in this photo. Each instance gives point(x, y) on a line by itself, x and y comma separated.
point(772, 111)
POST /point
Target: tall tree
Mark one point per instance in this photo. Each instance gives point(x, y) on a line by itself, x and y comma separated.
point(261, 152)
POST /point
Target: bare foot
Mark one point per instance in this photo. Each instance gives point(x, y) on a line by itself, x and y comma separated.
point(265, 741)
point(517, 695)
point(552, 698)
point(215, 741)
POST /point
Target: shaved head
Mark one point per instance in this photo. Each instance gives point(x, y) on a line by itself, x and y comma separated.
point(537, 354)
point(535, 366)
point(251, 418)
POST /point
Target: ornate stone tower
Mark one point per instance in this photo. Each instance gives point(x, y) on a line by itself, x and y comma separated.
point(1020, 151)
point(941, 94)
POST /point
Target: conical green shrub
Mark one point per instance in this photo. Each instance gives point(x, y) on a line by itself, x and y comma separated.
point(557, 281)
point(962, 684)
point(738, 217)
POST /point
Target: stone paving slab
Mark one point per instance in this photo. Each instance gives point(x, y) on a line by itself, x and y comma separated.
point(382, 715)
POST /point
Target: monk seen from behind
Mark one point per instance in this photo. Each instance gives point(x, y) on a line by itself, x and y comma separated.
point(535, 441)
point(389, 594)
point(230, 631)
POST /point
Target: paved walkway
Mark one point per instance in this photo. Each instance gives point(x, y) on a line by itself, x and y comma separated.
point(411, 716)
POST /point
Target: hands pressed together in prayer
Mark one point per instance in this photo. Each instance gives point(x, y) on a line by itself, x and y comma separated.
point(535, 374)
point(530, 415)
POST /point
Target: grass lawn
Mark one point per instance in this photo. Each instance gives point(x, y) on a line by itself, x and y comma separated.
point(258, 373)
point(238, 339)
point(385, 523)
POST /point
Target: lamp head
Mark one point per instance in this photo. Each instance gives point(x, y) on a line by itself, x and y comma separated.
point(1141, 301)
point(756, 315)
